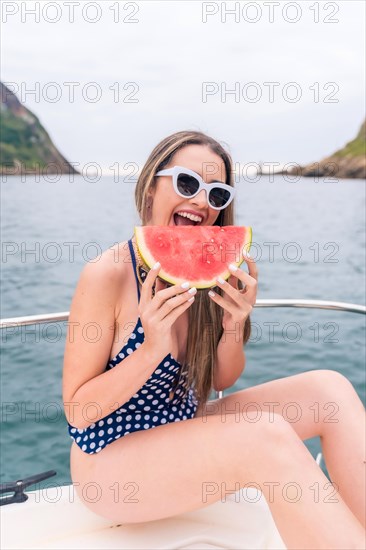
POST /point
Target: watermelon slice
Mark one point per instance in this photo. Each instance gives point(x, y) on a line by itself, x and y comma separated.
point(194, 253)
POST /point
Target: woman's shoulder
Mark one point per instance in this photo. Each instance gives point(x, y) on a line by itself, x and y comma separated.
point(109, 267)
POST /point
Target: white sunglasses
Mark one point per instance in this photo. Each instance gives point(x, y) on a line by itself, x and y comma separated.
point(188, 184)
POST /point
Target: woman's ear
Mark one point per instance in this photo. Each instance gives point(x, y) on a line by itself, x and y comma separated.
point(151, 192)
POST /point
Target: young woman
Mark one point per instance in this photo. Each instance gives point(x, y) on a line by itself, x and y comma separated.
point(141, 358)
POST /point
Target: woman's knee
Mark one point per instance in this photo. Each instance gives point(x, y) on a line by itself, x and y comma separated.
point(263, 430)
point(272, 427)
point(270, 441)
point(332, 383)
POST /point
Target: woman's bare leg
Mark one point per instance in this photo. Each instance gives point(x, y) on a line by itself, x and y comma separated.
point(164, 471)
point(316, 403)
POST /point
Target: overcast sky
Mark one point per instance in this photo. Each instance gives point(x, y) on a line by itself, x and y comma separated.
point(162, 66)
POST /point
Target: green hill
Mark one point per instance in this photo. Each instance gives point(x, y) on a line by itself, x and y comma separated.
point(25, 146)
point(356, 147)
point(349, 162)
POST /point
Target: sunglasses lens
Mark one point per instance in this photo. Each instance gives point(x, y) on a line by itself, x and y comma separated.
point(219, 197)
point(187, 185)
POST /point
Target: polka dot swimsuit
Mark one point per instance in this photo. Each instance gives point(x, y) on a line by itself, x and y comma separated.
point(151, 406)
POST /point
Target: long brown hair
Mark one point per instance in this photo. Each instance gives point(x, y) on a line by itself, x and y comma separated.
point(205, 316)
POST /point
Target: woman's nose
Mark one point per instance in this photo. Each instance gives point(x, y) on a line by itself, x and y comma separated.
point(200, 198)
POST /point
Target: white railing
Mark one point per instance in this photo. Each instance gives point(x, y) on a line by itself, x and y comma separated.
point(315, 304)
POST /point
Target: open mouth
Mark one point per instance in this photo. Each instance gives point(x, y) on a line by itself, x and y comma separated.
point(184, 218)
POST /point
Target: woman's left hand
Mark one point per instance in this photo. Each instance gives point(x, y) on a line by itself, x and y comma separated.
point(238, 304)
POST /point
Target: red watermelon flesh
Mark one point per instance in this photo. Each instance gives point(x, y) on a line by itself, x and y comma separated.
point(194, 253)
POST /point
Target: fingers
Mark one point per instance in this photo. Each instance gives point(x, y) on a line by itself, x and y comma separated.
point(233, 281)
point(249, 280)
point(162, 292)
point(238, 309)
point(160, 284)
point(253, 272)
point(177, 310)
point(146, 289)
point(175, 302)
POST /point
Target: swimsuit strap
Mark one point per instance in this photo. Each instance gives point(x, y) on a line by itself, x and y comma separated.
point(134, 267)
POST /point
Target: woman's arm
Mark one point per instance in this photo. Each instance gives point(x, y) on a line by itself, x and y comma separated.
point(89, 392)
point(237, 304)
point(108, 391)
point(230, 358)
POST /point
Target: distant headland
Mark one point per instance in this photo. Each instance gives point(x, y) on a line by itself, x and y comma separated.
point(349, 162)
point(25, 146)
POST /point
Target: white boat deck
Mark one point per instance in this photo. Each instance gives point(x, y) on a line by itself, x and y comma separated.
point(56, 518)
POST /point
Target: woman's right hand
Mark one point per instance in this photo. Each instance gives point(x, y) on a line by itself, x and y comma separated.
point(158, 313)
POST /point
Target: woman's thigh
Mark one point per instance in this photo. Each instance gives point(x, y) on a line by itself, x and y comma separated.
point(174, 468)
point(308, 401)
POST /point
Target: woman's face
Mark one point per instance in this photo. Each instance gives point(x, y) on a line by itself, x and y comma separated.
point(166, 203)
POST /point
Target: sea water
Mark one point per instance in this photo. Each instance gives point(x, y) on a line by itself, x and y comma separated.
point(308, 243)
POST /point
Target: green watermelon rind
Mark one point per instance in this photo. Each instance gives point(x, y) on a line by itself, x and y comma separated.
point(150, 261)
